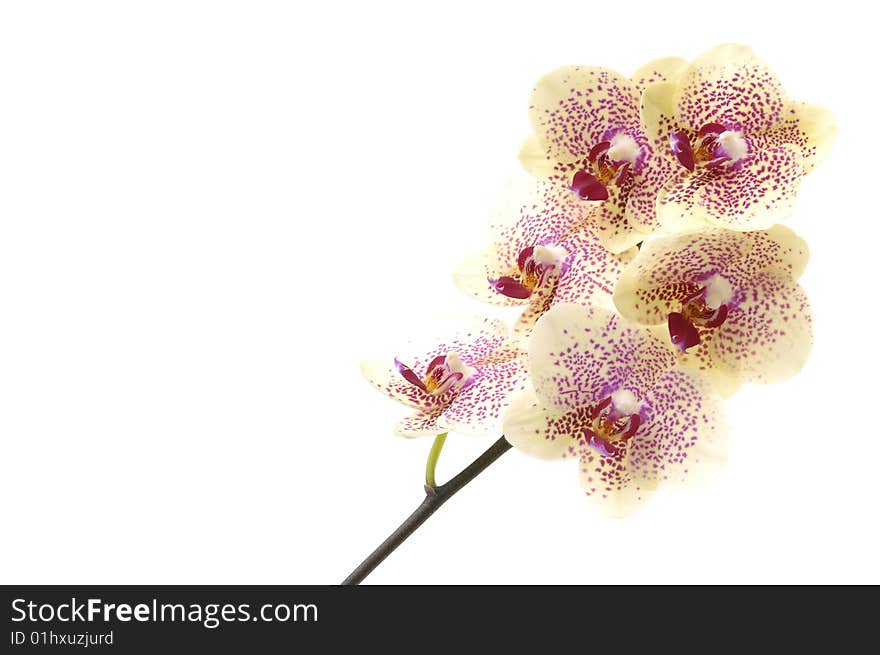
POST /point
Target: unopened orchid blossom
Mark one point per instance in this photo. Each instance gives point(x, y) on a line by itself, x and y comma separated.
point(607, 393)
point(740, 145)
point(588, 138)
point(461, 383)
point(543, 250)
point(729, 301)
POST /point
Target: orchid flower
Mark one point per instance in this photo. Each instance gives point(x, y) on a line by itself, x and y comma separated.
point(741, 146)
point(588, 137)
point(729, 300)
point(542, 250)
point(461, 384)
point(608, 393)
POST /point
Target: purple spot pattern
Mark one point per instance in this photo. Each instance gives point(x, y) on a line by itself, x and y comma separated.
point(475, 408)
point(550, 215)
point(573, 108)
point(585, 107)
point(761, 188)
point(768, 315)
point(793, 131)
point(739, 92)
point(579, 355)
point(682, 431)
point(743, 95)
point(576, 361)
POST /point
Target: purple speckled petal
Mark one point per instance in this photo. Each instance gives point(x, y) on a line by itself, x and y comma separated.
point(753, 195)
point(665, 69)
point(573, 108)
point(528, 213)
point(682, 438)
point(731, 86)
point(420, 424)
point(383, 375)
point(579, 355)
point(765, 334)
point(809, 127)
point(478, 408)
point(591, 272)
point(668, 269)
point(769, 335)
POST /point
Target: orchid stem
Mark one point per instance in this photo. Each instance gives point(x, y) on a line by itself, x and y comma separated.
point(430, 504)
point(431, 465)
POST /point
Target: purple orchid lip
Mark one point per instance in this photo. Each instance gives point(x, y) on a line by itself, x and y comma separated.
point(510, 287)
point(533, 273)
point(681, 147)
point(682, 325)
point(706, 150)
point(439, 378)
point(599, 170)
point(588, 187)
point(682, 332)
point(606, 434)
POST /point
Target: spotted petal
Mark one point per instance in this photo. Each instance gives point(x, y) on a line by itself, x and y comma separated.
point(666, 69)
point(752, 195)
point(478, 408)
point(682, 439)
point(579, 355)
point(730, 85)
point(809, 127)
point(769, 336)
point(420, 424)
point(668, 268)
point(528, 213)
point(573, 108)
point(766, 334)
point(478, 344)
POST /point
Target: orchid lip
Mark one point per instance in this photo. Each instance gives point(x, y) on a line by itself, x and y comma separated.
point(609, 428)
point(713, 147)
point(537, 265)
point(696, 312)
point(442, 374)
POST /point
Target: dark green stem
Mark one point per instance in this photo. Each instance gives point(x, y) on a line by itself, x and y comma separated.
point(431, 503)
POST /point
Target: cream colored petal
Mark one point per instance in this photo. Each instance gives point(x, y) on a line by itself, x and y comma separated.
point(658, 117)
point(478, 408)
point(384, 376)
point(730, 85)
point(421, 424)
point(579, 355)
point(535, 160)
point(573, 108)
point(811, 128)
point(666, 69)
point(769, 335)
point(537, 431)
point(471, 276)
point(777, 248)
point(754, 196)
point(609, 485)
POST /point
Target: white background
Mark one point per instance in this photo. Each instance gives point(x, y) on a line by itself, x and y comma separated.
point(209, 212)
